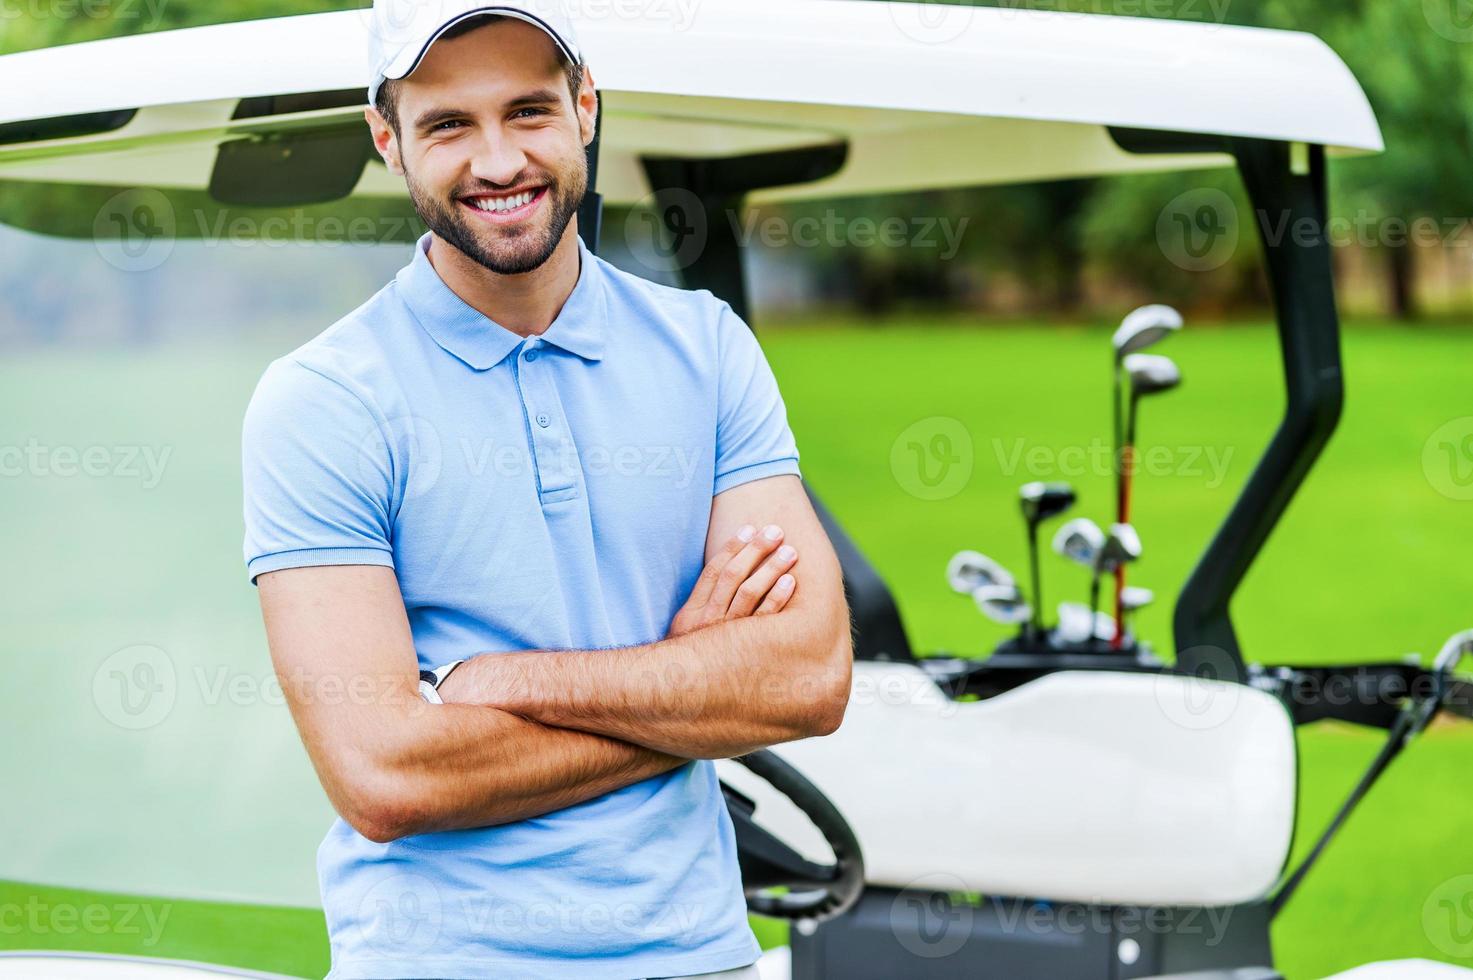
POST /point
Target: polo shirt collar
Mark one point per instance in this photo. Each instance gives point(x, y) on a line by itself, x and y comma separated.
point(481, 342)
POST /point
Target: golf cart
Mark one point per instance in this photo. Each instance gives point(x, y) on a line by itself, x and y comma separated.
point(1050, 811)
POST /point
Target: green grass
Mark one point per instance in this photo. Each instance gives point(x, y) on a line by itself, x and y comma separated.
point(1368, 564)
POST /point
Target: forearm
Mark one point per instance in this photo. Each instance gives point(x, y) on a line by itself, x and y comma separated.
point(451, 767)
point(719, 692)
point(392, 764)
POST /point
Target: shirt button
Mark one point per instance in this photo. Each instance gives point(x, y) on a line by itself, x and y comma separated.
point(531, 355)
point(544, 421)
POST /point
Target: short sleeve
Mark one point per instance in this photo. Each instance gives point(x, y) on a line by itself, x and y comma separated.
point(316, 475)
point(753, 440)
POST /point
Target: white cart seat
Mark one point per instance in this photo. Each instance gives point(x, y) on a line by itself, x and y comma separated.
point(1081, 786)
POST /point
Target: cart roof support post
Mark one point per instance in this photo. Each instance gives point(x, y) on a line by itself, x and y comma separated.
point(1286, 185)
point(716, 190)
point(591, 211)
point(698, 203)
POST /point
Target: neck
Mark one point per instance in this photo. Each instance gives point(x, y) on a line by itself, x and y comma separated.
point(526, 304)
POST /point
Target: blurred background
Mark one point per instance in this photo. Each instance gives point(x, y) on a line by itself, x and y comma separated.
point(986, 308)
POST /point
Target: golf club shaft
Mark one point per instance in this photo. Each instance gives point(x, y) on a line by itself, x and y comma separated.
point(1037, 620)
point(1127, 484)
point(1119, 639)
point(1115, 431)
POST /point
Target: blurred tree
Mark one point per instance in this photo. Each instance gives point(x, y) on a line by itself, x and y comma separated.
point(955, 239)
point(1128, 234)
point(1415, 60)
point(69, 24)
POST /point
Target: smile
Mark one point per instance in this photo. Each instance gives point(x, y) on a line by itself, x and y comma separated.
point(506, 207)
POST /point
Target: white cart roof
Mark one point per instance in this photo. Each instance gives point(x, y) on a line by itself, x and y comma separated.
point(926, 95)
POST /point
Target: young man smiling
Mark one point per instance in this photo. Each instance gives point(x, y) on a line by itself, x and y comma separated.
point(511, 678)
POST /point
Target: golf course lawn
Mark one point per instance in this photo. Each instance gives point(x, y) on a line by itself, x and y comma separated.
point(1370, 562)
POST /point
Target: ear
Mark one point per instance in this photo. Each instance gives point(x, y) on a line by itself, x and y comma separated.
point(587, 107)
point(384, 139)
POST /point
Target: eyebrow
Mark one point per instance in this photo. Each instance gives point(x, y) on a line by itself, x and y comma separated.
point(433, 117)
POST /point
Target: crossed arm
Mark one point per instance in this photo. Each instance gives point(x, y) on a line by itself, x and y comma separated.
point(759, 654)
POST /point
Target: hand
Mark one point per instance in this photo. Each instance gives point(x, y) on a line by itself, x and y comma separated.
point(749, 576)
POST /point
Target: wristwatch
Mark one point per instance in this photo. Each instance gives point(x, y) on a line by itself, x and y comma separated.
point(430, 681)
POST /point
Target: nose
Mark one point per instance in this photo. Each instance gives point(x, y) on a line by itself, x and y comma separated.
point(498, 160)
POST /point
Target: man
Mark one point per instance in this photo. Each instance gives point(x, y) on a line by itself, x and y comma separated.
point(580, 484)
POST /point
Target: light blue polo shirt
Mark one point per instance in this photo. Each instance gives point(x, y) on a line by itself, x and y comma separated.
point(531, 494)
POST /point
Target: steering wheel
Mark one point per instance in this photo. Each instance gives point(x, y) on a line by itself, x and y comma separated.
point(810, 891)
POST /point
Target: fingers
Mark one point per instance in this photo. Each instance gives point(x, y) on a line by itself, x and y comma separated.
point(777, 598)
point(747, 576)
point(700, 595)
point(740, 568)
point(751, 593)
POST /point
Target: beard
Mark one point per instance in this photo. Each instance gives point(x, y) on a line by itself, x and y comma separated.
point(505, 253)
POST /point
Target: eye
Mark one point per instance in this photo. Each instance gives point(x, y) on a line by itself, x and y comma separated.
point(438, 127)
point(529, 109)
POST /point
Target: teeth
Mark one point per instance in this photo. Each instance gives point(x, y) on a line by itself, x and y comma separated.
point(504, 204)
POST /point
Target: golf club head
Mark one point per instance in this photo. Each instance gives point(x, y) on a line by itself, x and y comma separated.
point(1458, 646)
point(1151, 373)
point(1078, 625)
point(970, 570)
point(1143, 327)
point(1041, 501)
point(1080, 541)
point(1003, 604)
point(1122, 546)
point(1133, 597)
point(1075, 622)
point(1457, 691)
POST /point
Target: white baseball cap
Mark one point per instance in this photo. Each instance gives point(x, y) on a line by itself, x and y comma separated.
point(400, 32)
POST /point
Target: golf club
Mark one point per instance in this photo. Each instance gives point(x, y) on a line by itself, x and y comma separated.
point(1149, 374)
point(1458, 646)
point(1041, 501)
point(1133, 599)
point(1457, 690)
point(1002, 604)
point(970, 570)
point(1077, 625)
point(1081, 541)
point(1140, 329)
point(1122, 546)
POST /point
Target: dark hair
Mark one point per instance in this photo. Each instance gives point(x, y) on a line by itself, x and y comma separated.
point(387, 100)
